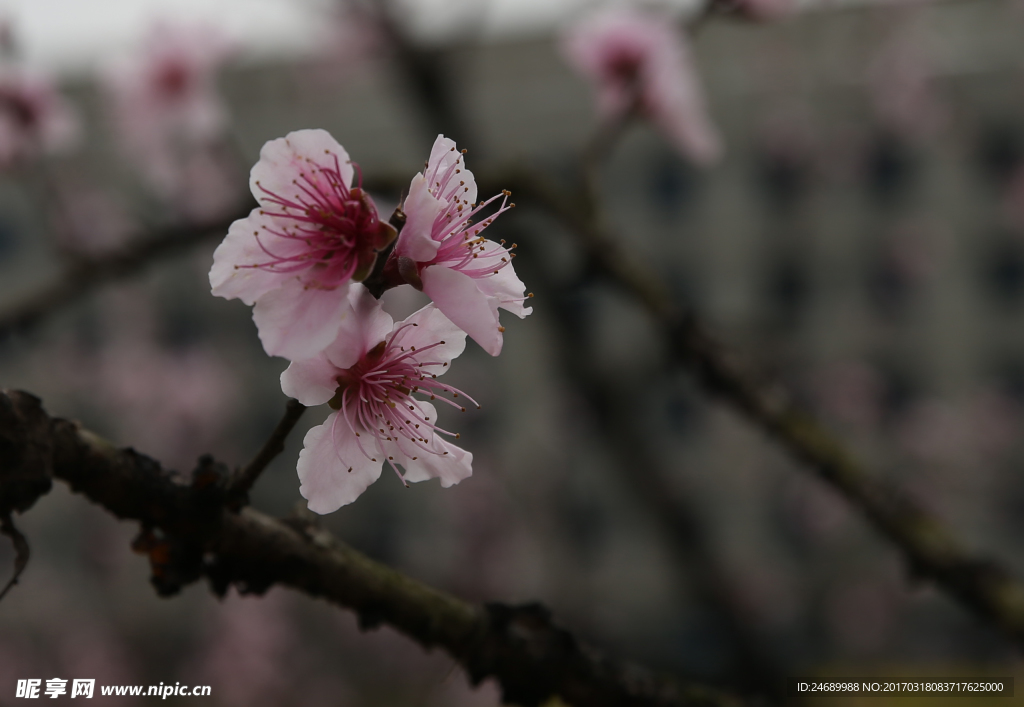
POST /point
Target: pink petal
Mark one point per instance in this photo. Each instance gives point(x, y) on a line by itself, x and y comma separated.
point(421, 209)
point(366, 325)
point(443, 154)
point(431, 327)
point(505, 285)
point(300, 152)
point(310, 381)
point(328, 452)
point(459, 298)
point(298, 323)
point(228, 278)
point(450, 468)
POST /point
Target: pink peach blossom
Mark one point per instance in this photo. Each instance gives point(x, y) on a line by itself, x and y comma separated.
point(369, 375)
point(34, 119)
point(165, 102)
point(441, 252)
point(635, 56)
point(295, 255)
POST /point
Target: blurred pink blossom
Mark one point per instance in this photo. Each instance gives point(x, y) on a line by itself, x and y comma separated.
point(352, 38)
point(900, 80)
point(635, 56)
point(34, 118)
point(171, 404)
point(295, 254)
point(980, 425)
point(164, 101)
point(862, 614)
point(441, 252)
point(248, 656)
point(849, 391)
point(89, 220)
point(369, 375)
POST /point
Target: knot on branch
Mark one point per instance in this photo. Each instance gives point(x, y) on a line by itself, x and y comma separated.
point(535, 659)
point(26, 452)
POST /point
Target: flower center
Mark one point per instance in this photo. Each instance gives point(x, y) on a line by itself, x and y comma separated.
point(462, 247)
point(327, 231)
point(172, 78)
point(24, 111)
point(375, 398)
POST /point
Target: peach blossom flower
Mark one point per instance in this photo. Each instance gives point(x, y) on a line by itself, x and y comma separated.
point(370, 375)
point(635, 56)
point(295, 255)
point(34, 118)
point(441, 252)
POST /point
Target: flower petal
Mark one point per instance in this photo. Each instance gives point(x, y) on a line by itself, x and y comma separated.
point(333, 471)
point(421, 209)
point(505, 285)
point(443, 154)
point(229, 276)
point(310, 381)
point(366, 326)
point(283, 160)
point(431, 328)
point(444, 461)
point(459, 298)
point(297, 322)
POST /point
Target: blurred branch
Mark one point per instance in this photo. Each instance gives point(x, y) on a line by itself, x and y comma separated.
point(188, 533)
point(242, 482)
point(88, 273)
point(931, 551)
point(425, 73)
point(21, 551)
point(639, 471)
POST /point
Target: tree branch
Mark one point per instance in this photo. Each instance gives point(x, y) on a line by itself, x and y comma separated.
point(753, 669)
point(87, 273)
point(188, 533)
point(242, 482)
point(932, 552)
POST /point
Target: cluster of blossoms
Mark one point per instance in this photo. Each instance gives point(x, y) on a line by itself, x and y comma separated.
point(300, 257)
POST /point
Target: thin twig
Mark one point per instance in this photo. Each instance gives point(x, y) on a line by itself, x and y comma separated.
point(189, 534)
point(245, 478)
point(21, 551)
point(86, 274)
point(931, 550)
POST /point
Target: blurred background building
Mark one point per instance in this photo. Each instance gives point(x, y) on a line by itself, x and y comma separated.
point(862, 239)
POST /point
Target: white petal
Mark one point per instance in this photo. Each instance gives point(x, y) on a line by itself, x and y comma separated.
point(301, 152)
point(450, 468)
point(459, 298)
point(310, 381)
point(366, 326)
point(462, 184)
point(332, 470)
point(421, 209)
point(505, 284)
point(228, 277)
point(431, 328)
point(296, 322)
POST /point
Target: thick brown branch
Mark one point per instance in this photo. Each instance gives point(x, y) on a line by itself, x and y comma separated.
point(931, 551)
point(84, 275)
point(188, 534)
point(242, 482)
